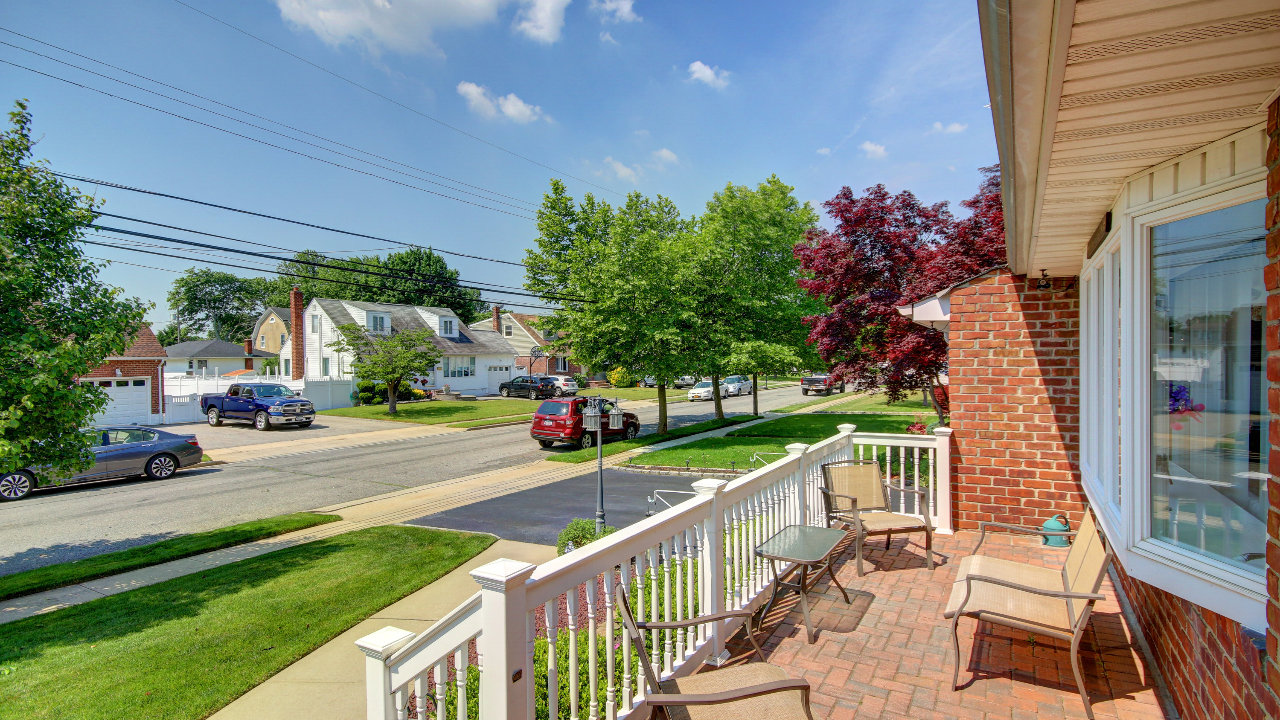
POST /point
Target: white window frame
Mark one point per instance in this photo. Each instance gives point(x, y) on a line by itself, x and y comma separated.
point(315, 322)
point(446, 327)
point(378, 322)
point(1214, 585)
point(324, 366)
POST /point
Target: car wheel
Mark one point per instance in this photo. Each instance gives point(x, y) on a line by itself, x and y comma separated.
point(261, 421)
point(586, 441)
point(215, 418)
point(533, 394)
point(504, 392)
point(559, 392)
point(16, 485)
point(804, 392)
point(632, 432)
point(545, 443)
point(161, 466)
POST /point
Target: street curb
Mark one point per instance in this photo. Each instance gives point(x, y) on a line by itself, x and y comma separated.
point(496, 425)
point(207, 463)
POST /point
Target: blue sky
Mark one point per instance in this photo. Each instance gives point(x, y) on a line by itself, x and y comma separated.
point(672, 98)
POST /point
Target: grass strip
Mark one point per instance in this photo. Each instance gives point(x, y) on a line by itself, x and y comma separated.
point(613, 448)
point(69, 573)
point(807, 427)
point(879, 402)
point(438, 412)
point(184, 648)
point(491, 421)
point(796, 407)
point(635, 393)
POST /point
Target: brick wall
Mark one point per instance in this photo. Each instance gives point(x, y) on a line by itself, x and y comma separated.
point(297, 351)
point(1273, 398)
point(1015, 407)
point(134, 368)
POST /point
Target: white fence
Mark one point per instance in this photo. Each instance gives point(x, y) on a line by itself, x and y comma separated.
point(182, 392)
point(546, 637)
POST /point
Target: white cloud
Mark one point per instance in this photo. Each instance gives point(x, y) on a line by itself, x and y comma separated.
point(641, 133)
point(541, 20)
point(950, 128)
point(617, 11)
point(378, 25)
point(664, 157)
point(824, 151)
point(874, 151)
point(487, 105)
point(622, 171)
point(713, 76)
point(607, 38)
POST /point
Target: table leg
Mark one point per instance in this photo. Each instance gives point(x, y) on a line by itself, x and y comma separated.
point(832, 574)
point(764, 611)
point(804, 602)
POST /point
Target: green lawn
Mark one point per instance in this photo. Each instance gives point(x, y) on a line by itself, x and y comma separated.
point(796, 407)
point(440, 411)
point(182, 649)
point(491, 421)
point(880, 403)
point(635, 393)
point(812, 427)
point(613, 448)
point(62, 574)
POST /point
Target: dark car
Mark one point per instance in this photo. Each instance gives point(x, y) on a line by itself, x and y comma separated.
point(560, 420)
point(117, 452)
point(530, 386)
point(820, 384)
point(266, 405)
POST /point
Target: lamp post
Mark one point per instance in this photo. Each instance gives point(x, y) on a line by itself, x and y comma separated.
point(592, 415)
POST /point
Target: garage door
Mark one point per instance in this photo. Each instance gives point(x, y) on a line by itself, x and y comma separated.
point(130, 401)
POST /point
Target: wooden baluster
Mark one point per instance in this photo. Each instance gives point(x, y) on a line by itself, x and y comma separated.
point(551, 611)
point(667, 665)
point(438, 674)
point(677, 560)
point(915, 470)
point(655, 637)
point(593, 651)
point(460, 680)
point(637, 596)
point(402, 703)
point(571, 604)
point(420, 698)
point(611, 687)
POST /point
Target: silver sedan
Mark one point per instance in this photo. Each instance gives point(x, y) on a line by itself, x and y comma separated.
point(117, 452)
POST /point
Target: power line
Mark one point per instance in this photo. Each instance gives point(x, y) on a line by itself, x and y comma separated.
point(251, 253)
point(263, 142)
point(526, 203)
point(156, 193)
point(397, 103)
point(275, 272)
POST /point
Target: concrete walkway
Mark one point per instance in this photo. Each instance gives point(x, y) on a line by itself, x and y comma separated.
point(328, 684)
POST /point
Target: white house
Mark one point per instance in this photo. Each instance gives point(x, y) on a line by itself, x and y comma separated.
point(473, 362)
point(213, 358)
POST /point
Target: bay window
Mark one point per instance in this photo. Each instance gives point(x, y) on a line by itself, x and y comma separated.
point(459, 366)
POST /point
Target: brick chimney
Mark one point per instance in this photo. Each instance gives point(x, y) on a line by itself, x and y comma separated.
point(296, 327)
point(497, 319)
point(248, 346)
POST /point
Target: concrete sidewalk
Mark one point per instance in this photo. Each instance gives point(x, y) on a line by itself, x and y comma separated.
point(328, 684)
point(299, 444)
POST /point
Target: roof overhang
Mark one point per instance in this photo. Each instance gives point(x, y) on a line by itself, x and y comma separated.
point(1086, 94)
point(933, 311)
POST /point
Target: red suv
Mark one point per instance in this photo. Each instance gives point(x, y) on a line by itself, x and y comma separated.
point(560, 420)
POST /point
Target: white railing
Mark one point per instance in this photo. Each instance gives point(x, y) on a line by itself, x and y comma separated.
point(547, 637)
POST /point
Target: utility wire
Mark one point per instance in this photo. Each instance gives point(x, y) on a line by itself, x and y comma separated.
point(397, 103)
point(276, 272)
point(251, 253)
point(264, 142)
point(156, 193)
point(278, 133)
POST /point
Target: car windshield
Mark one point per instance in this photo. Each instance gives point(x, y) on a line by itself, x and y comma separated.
point(703, 384)
point(271, 391)
point(553, 408)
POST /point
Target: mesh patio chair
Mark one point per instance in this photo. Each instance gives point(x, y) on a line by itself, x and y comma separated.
point(1049, 601)
point(754, 691)
point(855, 493)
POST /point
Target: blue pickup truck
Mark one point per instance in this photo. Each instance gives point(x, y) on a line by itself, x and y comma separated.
point(266, 405)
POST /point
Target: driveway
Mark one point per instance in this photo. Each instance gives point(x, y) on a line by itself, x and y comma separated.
point(239, 434)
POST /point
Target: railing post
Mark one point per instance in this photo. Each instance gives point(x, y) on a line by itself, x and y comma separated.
point(504, 645)
point(847, 430)
point(942, 476)
point(796, 450)
point(711, 564)
point(377, 647)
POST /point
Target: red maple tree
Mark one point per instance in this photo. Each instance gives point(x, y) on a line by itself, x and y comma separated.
point(887, 251)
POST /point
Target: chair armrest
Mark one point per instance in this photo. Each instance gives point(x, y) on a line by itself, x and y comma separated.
point(982, 531)
point(699, 620)
point(725, 696)
point(1061, 594)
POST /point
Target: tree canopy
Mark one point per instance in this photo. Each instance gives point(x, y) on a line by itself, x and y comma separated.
point(58, 320)
point(390, 358)
point(221, 304)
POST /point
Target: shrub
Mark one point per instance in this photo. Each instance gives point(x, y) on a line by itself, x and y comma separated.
point(366, 398)
point(580, 531)
point(581, 379)
point(419, 394)
point(365, 386)
point(621, 377)
point(918, 427)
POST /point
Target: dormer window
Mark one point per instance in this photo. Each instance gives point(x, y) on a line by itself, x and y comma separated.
point(378, 322)
point(446, 326)
point(506, 330)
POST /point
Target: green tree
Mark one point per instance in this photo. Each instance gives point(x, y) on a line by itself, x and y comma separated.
point(175, 333)
point(218, 303)
point(760, 356)
point(391, 359)
point(58, 320)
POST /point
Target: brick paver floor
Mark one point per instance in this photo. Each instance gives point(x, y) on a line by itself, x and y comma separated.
point(888, 654)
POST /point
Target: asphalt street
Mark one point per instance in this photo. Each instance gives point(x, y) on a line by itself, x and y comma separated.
point(70, 523)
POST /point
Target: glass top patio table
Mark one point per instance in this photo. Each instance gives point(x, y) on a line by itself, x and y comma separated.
point(805, 544)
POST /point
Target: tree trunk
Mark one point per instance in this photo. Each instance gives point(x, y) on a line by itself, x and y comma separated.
point(662, 407)
point(715, 393)
point(391, 396)
point(755, 396)
point(933, 399)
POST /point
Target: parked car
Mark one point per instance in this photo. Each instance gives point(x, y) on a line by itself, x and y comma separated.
point(530, 386)
point(560, 420)
point(739, 385)
point(702, 391)
point(117, 452)
point(648, 381)
point(685, 381)
point(565, 385)
point(266, 405)
point(820, 384)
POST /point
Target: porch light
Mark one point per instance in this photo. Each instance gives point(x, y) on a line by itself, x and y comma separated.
point(591, 417)
point(615, 415)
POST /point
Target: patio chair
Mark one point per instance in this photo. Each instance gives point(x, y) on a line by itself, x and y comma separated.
point(854, 493)
point(1049, 601)
point(754, 691)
